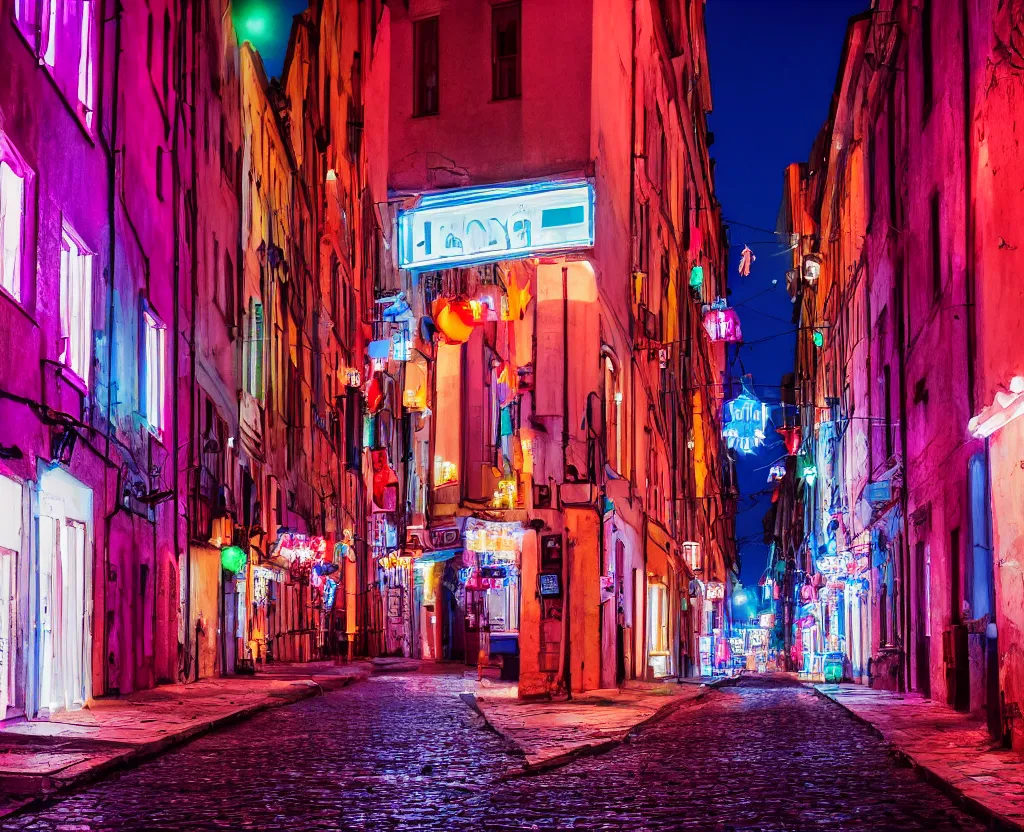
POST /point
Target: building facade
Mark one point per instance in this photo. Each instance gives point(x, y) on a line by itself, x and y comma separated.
point(400, 352)
point(543, 404)
point(904, 528)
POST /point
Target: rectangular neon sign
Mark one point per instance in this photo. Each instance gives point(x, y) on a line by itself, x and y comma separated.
point(479, 225)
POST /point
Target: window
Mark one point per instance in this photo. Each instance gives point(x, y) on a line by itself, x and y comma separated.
point(426, 61)
point(927, 61)
point(662, 158)
point(936, 247)
point(13, 176)
point(60, 33)
point(216, 285)
point(153, 371)
point(506, 58)
point(254, 350)
point(75, 304)
point(890, 438)
point(613, 414)
point(229, 290)
point(160, 173)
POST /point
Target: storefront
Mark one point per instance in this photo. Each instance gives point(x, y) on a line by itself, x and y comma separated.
point(491, 576)
point(660, 621)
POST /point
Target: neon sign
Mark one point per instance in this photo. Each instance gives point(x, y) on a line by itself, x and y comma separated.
point(745, 420)
point(477, 225)
point(301, 548)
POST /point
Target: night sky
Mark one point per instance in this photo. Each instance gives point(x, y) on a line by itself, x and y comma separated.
point(773, 68)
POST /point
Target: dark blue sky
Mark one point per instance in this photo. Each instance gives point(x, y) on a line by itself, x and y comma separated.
point(773, 69)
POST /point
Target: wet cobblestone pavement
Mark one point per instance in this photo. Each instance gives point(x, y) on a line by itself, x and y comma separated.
point(402, 752)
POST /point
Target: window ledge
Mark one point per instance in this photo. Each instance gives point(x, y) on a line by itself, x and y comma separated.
point(75, 380)
point(9, 298)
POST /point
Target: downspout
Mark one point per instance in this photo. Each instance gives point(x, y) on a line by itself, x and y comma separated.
point(566, 565)
point(632, 236)
point(901, 330)
point(636, 620)
point(112, 212)
point(969, 283)
point(186, 651)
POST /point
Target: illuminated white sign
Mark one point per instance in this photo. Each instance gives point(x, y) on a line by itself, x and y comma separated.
point(477, 225)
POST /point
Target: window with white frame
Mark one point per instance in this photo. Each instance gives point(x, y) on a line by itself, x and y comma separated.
point(254, 350)
point(62, 33)
point(75, 304)
point(153, 370)
point(13, 178)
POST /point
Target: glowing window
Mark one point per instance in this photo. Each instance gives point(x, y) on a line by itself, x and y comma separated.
point(71, 62)
point(153, 371)
point(12, 218)
point(75, 304)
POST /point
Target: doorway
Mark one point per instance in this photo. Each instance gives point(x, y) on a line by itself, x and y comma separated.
point(922, 619)
point(62, 578)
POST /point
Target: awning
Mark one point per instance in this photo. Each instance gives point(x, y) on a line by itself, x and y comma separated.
point(438, 556)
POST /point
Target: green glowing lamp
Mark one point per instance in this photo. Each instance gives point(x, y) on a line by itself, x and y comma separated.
point(256, 24)
point(819, 338)
point(696, 277)
point(232, 558)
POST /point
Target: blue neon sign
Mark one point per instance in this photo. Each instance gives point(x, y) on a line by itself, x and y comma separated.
point(479, 225)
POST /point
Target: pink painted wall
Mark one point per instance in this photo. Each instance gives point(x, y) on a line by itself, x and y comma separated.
point(998, 261)
point(474, 139)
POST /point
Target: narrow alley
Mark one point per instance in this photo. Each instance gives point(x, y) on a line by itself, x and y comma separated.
point(401, 751)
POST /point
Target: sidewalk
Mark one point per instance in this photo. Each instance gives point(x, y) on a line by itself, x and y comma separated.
point(952, 750)
point(551, 734)
point(76, 747)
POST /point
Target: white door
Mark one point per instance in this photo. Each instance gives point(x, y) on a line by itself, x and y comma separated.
point(61, 612)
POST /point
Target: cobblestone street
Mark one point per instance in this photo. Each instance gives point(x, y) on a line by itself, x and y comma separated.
point(403, 752)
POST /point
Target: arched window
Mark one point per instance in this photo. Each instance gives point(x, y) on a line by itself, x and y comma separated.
point(612, 395)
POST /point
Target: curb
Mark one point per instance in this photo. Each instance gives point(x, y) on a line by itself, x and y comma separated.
point(596, 748)
point(136, 756)
point(993, 819)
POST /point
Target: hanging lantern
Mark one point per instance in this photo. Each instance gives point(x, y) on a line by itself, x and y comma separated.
point(812, 268)
point(385, 482)
point(818, 338)
point(745, 420)
point(697, 278)
point(454, 319)
point(776, 472)
point(722, 323)
point(232, 559)
point(691, 555)
point(791, 438)
point(807, 470)
point(374, 393)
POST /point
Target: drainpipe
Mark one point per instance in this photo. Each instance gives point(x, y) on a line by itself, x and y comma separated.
point(567, 554)
point(901, 333)
point(112, 214)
